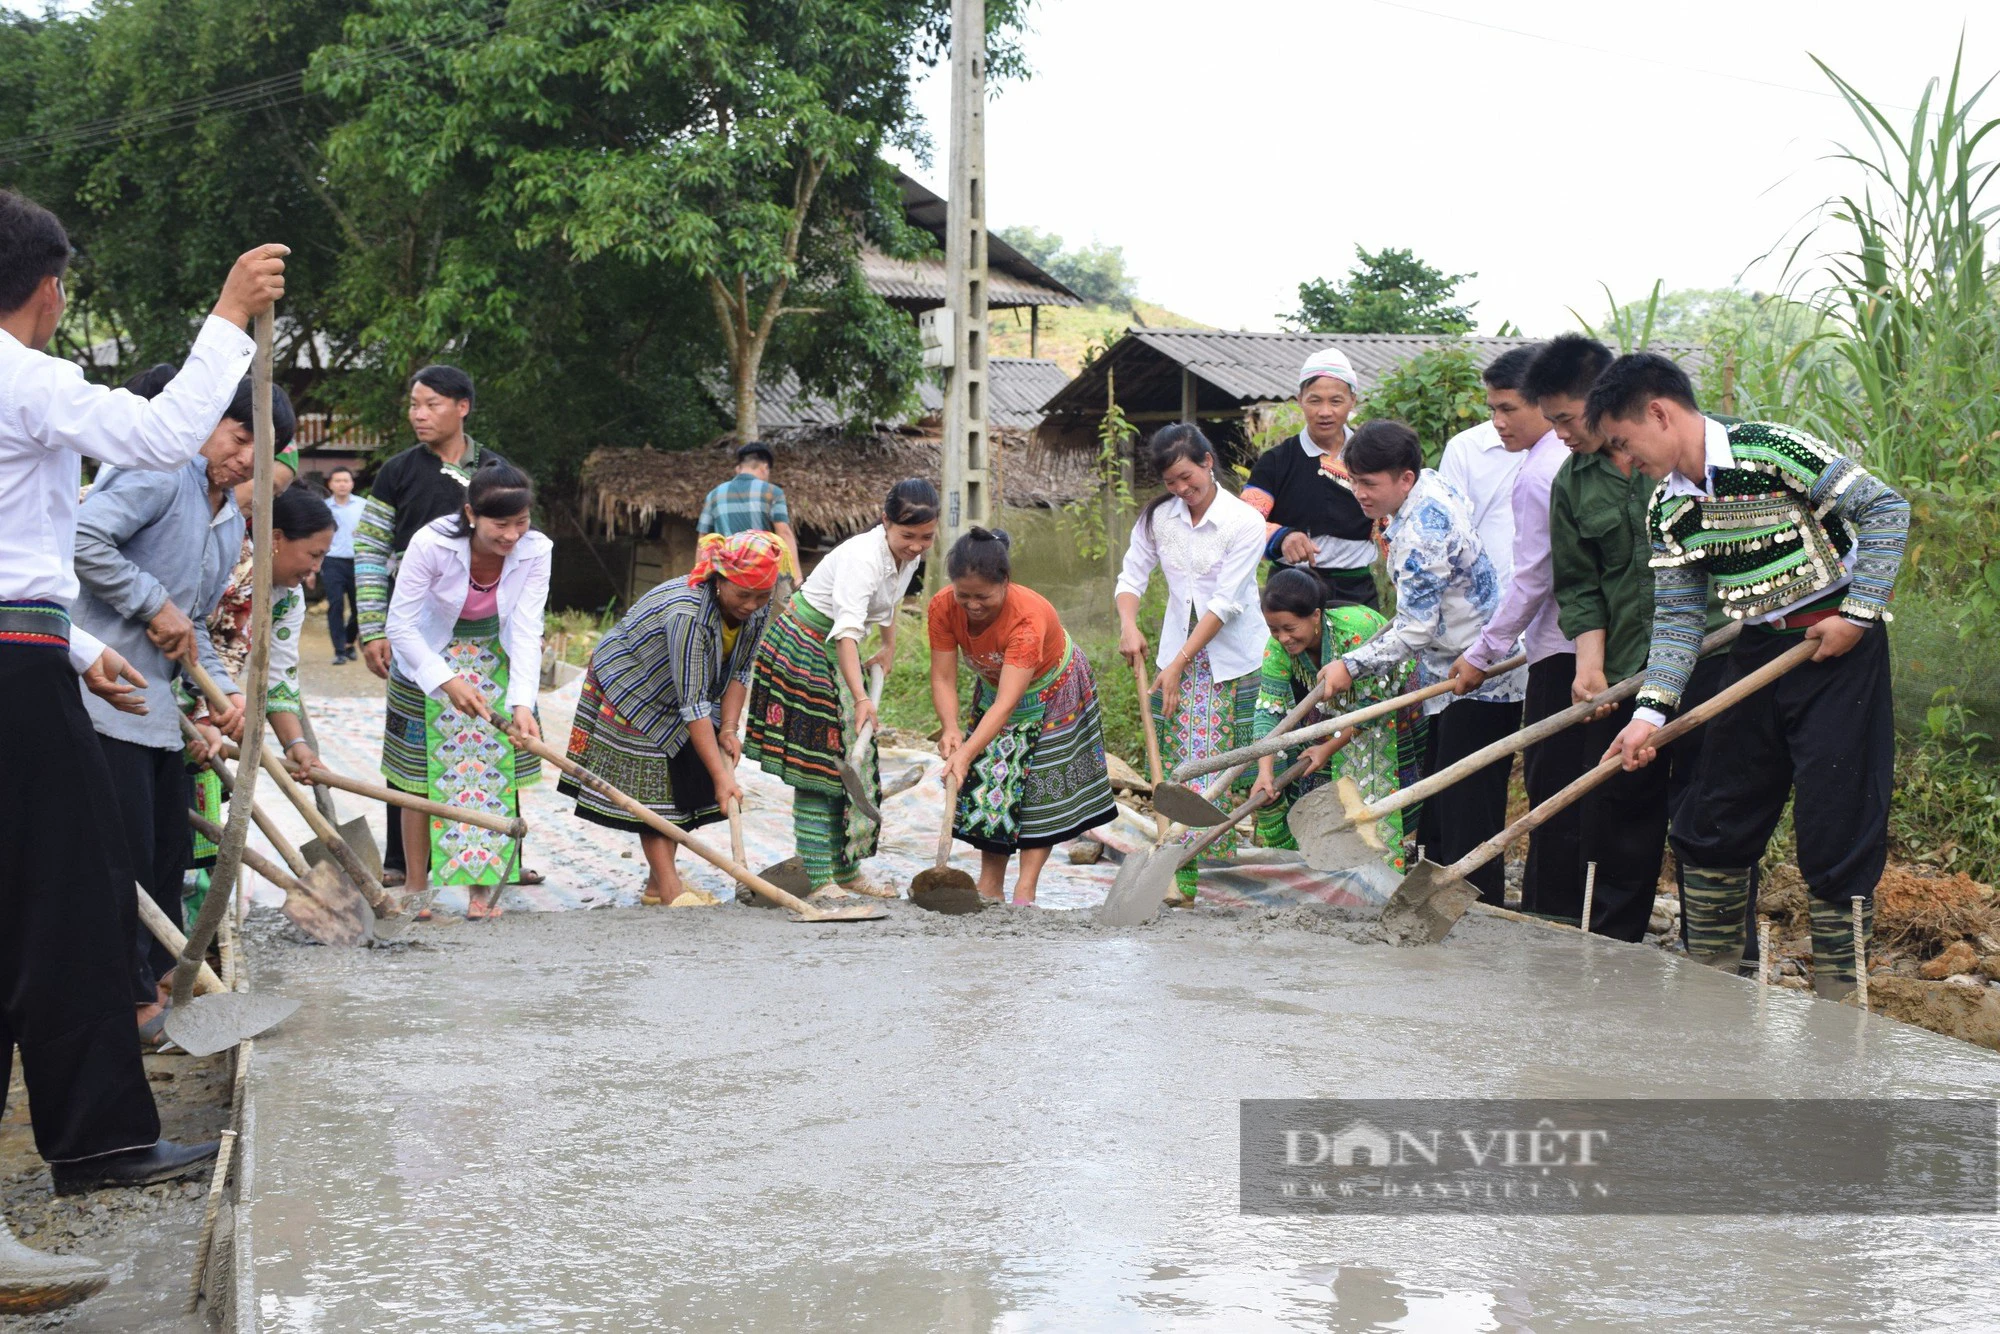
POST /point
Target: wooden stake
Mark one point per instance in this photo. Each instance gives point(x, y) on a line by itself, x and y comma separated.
point(1860, 956)
point(1764, 969)
point(221, 1174)
point(1589, 893)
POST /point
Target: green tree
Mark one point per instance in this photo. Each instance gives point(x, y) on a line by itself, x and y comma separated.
point(1095, 272)
point(1388, 291)
point(736, 144)
point(1436, 393)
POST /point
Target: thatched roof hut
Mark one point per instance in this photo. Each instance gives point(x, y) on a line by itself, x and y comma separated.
point(834, 486)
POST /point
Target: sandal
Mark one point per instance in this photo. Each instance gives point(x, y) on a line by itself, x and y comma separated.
point(393, 879)
point(530, 878)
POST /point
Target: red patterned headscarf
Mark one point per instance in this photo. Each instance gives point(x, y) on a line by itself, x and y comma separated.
point(751, 559)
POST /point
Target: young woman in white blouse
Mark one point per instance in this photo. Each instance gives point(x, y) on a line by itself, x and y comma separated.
point(1208, 544)
point(808, 697)
point(465, 629)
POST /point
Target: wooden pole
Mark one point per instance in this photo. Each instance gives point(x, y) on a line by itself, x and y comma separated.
point(969, 487)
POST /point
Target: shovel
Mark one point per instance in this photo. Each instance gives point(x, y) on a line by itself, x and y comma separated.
point(790, 874)
point(318, 899)
point(1432, 898)
point(801, 911)
point(1335, 826)
point(1160, 818)
point(217, 1018)
point(1320, 731)
point(1198, 809)
point(391, 925)
point(850, 764)
point(318, 902)
point(1143, 882)
point(942, 888)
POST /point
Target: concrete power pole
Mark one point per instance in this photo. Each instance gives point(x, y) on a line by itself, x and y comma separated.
point(968, 497)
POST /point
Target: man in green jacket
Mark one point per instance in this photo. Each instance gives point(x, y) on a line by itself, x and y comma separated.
point(1601, 551)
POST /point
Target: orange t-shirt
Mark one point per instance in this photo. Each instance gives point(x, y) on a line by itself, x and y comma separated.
point(1026, 633)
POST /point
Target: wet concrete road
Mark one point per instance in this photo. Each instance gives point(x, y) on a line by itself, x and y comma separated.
point(652, 1120)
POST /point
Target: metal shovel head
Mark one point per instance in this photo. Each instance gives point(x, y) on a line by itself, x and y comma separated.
point(860, 912)
point(1179, 802)
point(329, 909)
point(947, 890)
point(209, 1024)
point(858, 793)
point(788, 875)
point(1324, 824)
point(1135, 896)
point(1427, 905)
point(358, 836)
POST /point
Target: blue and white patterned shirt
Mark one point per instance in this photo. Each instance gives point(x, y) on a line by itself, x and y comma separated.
point(1446, 592)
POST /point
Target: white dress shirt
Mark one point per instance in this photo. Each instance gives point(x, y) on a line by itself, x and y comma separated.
point(858, 584)
point(430, 592)
point(1478, 465)
point(1210, 566)
point(50, 417)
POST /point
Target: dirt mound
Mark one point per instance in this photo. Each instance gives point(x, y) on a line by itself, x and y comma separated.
point(1950, 1008)
point(1924, 916)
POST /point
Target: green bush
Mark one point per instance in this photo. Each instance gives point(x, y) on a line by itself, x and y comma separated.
point(1437, 393)
point(1947, 807)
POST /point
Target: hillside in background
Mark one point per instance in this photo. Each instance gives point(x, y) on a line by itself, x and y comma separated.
point(1068, 331)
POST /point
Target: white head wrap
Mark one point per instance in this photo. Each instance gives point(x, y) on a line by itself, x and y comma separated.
point(1328, 361)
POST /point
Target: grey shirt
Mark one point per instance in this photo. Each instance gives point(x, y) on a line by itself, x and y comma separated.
point(143, 538)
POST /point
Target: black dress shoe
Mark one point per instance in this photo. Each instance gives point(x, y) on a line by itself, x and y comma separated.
point(163, 1160)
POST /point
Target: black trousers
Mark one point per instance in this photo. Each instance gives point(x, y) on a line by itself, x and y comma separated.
point(1466, 814)
point(1554, 881)
point(1625, 820)
point(153, 792)
point(1825, 731)
point(66, 921)
point(336, 579)
point(1348, 590)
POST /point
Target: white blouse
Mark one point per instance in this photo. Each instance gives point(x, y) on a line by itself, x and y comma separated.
point(430, 592)
point(1210, 566)
point(858, 584)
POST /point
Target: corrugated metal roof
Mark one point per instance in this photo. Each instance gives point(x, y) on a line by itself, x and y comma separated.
point(922, 282)
point(1016, 388)
point(924, 208)
point(1236, 368)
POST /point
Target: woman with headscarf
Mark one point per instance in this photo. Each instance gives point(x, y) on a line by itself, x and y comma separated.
point(808, 699)
point(1380, 757)
point(664, 694)
point(1312, 520)
point(1031, 772)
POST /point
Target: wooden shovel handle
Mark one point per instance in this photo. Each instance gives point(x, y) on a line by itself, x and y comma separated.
point(1526, 737)
point(499, 824)
point(867, 733)
point(1152, 736)
point(169, 935)
point(272, 833)
point(736, 830)
point(1220, 783)
point(328, 836)
point(252, 858)
point(1666, 735)
point(729, 866)
point(1213, 835)
point(1319, 731)
point(950, 814)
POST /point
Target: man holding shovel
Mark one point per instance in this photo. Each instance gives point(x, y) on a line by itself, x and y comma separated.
point(1797, 540)
point(1446, 592)
point(66, 895)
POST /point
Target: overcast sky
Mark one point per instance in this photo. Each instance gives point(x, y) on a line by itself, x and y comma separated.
point(1235, 149)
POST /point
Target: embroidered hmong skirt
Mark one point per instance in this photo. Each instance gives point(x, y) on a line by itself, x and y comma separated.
point(797, 721)
point(677, 787)
point(1214, 716)
point(1385, 758)
point(1043, 780)
point(432, 750)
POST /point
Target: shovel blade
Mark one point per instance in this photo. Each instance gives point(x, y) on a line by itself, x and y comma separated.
point(209, 1024)
point(788, 875)
point(1134, 896)
point(1428, 904)
point(359, 837)
point(329, 909)
point(948, 891)
point(1179, 802)
point(858, 793)
point(860, 912)
point(1331, 826)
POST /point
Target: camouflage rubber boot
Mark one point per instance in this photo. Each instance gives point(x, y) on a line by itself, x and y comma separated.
point(1714, 903)
point(1833, 945)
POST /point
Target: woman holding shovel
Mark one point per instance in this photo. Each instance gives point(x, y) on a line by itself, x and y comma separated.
point(664, 695)
point(1031, 773)
point(1207, 543)
point(465, 629)
point(807, 699)
point(1380, 757)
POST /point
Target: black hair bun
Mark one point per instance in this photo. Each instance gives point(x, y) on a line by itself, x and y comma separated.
point(978, 534)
